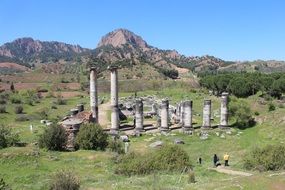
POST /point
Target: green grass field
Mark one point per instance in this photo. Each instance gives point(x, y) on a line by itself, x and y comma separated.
point(31, 168)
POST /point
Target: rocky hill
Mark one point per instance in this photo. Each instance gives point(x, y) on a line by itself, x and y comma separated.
point(25, 51)
point(254, 66)
point(124, 48)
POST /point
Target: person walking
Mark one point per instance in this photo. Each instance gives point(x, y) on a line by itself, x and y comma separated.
point(200, 160)
point(216, 160)
point(226, 159)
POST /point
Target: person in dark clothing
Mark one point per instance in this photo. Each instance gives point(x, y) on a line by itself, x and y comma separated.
point(216, 160)
point(200, 160)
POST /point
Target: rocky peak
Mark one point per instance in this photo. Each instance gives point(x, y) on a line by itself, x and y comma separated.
point(24, 47)
point(120, 37)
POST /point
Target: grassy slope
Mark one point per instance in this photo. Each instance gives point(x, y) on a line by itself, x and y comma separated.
point(23, 169)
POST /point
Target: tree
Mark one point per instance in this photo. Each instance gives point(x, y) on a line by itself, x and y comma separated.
point(278, 87)
point(241, 112)
point(53, 138)
point(239, 87)
point(91, 137)
point(7, 138)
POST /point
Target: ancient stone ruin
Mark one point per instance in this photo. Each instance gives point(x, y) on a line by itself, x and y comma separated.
point(168, 117)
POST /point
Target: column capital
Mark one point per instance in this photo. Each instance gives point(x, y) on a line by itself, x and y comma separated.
point(112, 67)
point(94, 69)
point(225, 94)
point(207, 102)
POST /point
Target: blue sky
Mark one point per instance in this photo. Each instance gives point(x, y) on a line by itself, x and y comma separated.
point(228, 29)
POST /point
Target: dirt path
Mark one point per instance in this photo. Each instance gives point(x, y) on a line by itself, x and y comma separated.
point(222, 169)
point(103, 118)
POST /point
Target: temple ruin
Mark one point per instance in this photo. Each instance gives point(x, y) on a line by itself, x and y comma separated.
point(168, 117)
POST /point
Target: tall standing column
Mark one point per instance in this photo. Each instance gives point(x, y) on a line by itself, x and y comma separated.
point(164, 115)
point(177, 113)
point(114, 100)
point(93, 94)
point(139, 116)
point(187, 119)
point(224, 110)
point(181, 114)
point(207, 114)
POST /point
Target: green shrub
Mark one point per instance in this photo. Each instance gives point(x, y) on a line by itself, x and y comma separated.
point(53, 107)
point(2, 109)
point(16, 100)
point(91, 137)
point(115, 145)
point(191, 177)
point(19, 109)
point(241, 112)
point(271, 107)
point(167, 158)
point(43, 113)
point(4, 185)
point(53, 138)
point(270, 157)
point(29, 102)
point(22, 118)
point(7, 138)
point(2, 101)
point(60, 101)
point(64, 180)
point(267, 97)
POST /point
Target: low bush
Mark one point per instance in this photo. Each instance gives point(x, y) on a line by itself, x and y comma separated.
point(91, 137)
point(166, 158)
point(4, 185)
point(7, 137)
point(191, 177)
point(60, 101)
point(2, 109)
point(43, 113)
point(64, 180)
point(53, 107)
point(270, 157)
point(53, 138)
point(19, 109)
point(115, 145)
point(22, 118)
point(271, 107)
point(16, 100)
point(2, 101)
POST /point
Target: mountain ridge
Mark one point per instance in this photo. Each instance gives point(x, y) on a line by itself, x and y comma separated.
point(120, 46)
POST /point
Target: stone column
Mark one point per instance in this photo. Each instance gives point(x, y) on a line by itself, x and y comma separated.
point(93, 94)
point(181, 113)
point(187, 119)
point(177, 114)
point(153, 108)
point(114, 100)
point(224, 110)
point(207, 114)
point(139, 116)
point(164, 115)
